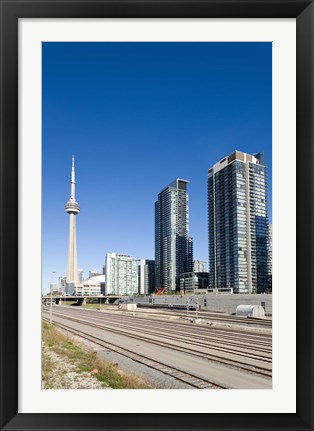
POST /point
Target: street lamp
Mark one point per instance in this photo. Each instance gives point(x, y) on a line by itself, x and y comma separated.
point(53, 272)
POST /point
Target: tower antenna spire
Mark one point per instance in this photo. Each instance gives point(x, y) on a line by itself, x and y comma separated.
point(73, 180)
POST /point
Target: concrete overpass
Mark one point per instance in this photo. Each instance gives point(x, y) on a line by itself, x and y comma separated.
point(81, 300)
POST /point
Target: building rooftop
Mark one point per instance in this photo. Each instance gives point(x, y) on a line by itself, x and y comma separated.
point(176, 184)
point(95, 280)
point(236, 155)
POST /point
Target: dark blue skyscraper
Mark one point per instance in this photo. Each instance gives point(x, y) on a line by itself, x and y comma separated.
point(238, 223)
point(173, 246)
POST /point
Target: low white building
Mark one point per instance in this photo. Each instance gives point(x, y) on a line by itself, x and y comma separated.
point(93, 286)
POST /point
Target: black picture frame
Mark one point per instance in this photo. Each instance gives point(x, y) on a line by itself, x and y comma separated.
point(11, 11)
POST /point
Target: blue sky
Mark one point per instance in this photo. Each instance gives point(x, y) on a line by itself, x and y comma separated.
point(136, 116)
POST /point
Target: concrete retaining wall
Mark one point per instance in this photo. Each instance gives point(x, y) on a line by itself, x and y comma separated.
point(224, 303)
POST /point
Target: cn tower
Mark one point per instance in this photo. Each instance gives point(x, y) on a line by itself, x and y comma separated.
point(72, 208)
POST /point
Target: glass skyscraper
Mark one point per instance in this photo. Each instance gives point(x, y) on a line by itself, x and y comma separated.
point(238, 223)
point(173, 246)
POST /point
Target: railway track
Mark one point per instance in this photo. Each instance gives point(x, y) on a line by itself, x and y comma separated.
point(175, 372)
point(195, 336)
point(207, 315)
point(261, 341)
point(252, 361)
point(223, 331)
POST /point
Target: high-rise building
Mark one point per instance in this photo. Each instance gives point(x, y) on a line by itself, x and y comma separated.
point(54, 288)
point(94, 273)
point(81, 275)
point(121, 274)
point(72, 208)
point(238, 223)
point(199, 266)
point(146, 276)
point(173, 246)
point(270, 249)
point(270, 257)
point(62, 284)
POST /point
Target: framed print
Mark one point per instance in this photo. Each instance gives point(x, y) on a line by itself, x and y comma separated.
point(265, 57)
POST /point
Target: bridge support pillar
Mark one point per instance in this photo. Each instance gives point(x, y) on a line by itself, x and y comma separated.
point(81, 301)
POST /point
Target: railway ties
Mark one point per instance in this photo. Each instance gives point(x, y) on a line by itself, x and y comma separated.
point(257, 339)
point(174, 372)
point(235, 357)
point(208, 371)
point(211, 316)
point(208, 334)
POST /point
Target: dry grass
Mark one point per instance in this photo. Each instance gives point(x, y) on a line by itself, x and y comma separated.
point(85, 361)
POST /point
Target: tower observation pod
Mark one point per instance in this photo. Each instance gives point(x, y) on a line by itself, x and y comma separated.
point(72, 208)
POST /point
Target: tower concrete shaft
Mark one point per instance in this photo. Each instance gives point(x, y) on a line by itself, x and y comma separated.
point(72, 208)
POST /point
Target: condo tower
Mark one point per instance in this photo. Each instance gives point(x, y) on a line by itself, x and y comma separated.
point(238, 223)
point(173, 245)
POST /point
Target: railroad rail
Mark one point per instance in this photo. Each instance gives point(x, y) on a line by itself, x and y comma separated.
point(205, 342)
point(175, 372)
point(196, 335)
point(208, 315)
point(224, 331)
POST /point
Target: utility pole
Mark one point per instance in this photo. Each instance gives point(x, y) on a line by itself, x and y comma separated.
point(53, 272)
